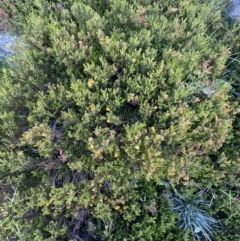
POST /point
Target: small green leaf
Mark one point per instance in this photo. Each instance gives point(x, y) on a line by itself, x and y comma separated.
point(22, 116)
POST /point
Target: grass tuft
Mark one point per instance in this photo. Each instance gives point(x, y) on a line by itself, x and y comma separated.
point(192, 216)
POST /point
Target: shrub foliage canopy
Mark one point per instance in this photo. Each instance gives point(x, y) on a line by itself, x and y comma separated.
point(103, 101)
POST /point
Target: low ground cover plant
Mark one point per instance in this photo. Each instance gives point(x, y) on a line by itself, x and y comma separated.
point(105, 101)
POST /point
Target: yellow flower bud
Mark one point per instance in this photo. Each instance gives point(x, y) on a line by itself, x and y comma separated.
point(90, 83)
point(49, 202)
point(4, 70)
point(134, 60)
point(29, 118)
point(117, 207)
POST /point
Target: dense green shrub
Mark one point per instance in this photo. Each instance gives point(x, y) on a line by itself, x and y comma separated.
point(1, 65)
point(105, 100)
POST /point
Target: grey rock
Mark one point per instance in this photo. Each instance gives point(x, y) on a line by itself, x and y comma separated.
point(233, 10)
point(6, 41)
